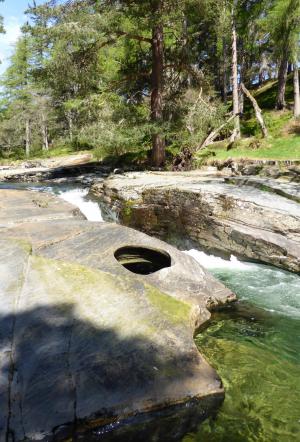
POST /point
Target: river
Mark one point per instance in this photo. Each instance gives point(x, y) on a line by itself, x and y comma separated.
point(254, 344)
point(255, 347)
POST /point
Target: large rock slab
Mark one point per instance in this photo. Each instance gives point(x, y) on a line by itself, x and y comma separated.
point(253, 223)
point(85, 342)
point(17, 206)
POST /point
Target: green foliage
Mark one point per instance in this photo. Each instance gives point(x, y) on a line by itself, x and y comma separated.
point(80, 75)
point(266, 96)
point(283, 22)
point(202, 115)
point(283, 143)
point(2, 29)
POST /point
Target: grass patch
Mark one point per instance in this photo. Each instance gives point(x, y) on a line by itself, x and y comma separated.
point(281, 148)
point(266, 94)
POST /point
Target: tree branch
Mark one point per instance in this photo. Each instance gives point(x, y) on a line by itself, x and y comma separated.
point(134, 37)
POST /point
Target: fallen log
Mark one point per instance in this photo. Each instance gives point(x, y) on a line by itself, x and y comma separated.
point(213, 135)
point(257, 109)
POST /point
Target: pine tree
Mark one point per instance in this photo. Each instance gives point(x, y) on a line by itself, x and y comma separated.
point(284, 22)
point(121, 75)
point(17, 87)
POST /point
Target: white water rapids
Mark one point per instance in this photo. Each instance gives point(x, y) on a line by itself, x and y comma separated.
point(268, 287)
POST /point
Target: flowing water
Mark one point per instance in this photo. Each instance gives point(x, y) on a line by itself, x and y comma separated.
point(254, 345)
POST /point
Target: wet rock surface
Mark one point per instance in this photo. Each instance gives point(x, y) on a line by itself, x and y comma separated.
point(253, 218)
point(85, 342)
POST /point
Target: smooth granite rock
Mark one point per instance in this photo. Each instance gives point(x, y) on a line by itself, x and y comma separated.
point(85, 342)
point(248, 220)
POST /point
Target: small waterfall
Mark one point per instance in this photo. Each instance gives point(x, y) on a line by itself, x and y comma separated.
point(73, 194)
point(77, 197)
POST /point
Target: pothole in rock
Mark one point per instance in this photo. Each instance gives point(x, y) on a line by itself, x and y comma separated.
point(142, 260)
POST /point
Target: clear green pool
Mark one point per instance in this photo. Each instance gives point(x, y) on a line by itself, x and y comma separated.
point(255, 347)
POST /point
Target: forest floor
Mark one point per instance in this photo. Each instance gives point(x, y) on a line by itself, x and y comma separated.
point(285, 147)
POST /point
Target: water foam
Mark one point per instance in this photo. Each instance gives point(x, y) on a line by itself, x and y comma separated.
point(214, 262)
point(268, 287)
point(77, 197)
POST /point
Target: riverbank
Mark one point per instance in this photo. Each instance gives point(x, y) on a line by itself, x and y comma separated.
point(249, 209)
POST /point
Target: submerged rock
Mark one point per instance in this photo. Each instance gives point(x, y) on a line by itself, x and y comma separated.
point(256, 219)
point(96, 323)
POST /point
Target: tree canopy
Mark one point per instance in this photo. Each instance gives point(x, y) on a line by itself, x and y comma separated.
point(153, 76)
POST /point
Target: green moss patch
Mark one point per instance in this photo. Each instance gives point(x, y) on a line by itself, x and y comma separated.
point(25, 245)
point(175, 311)
point(126, 213)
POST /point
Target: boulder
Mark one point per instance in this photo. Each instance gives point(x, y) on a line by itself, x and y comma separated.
point(96, 324)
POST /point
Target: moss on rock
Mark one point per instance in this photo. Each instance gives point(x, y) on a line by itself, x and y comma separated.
point(175, 311)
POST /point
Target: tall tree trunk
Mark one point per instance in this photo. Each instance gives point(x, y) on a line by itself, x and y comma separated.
point(158, 141)
point(45, 133)
point(70, 123)
point(243, 70)
point(224, 88)
point(27, 139)
point(296, 92)
point(282, 77)
point(235, 86)
point(264, 69)
point(185, 48)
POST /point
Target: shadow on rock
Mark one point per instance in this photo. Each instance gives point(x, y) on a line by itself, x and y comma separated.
point(62, 377)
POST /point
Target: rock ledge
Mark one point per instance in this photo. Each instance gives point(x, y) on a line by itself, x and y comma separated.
point(256, 219)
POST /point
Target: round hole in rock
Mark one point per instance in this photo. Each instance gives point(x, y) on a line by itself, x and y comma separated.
point(142, 260)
